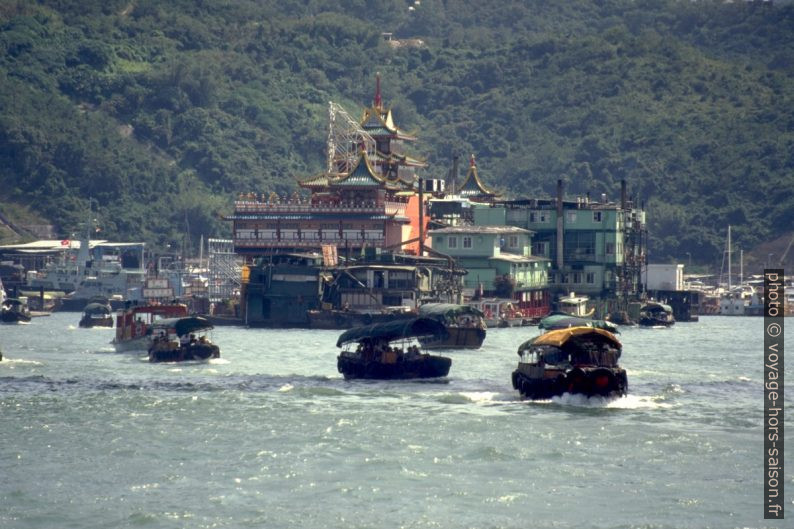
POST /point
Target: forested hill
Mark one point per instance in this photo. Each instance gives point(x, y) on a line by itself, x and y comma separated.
point(163, 111)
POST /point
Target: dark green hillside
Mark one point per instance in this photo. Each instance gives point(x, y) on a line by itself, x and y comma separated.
point(163, 111)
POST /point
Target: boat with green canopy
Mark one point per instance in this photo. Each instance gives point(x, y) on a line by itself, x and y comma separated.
point(97, 314)
point(655, 314)
point(389, 350)
point(179, 339)
point(562, 321)
point(464, 324)
point(576, 360)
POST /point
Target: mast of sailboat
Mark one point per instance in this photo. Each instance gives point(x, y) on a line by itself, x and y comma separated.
point(741, 267)
point(729, 258)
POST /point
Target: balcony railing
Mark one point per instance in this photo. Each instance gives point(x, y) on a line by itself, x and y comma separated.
point(387, 208)
point(313, 242)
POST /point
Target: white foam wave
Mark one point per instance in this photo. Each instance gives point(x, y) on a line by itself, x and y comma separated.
point(628, 402)
point(219, 361)
point(12, 361)
point(286, 387)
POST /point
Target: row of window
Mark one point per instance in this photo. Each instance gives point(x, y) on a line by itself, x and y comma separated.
point(574, 278)
point(466, 241)
point(542, 217)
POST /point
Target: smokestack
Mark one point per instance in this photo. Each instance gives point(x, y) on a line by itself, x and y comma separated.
point(453, 182)
point(623, 194)
point(559, 224)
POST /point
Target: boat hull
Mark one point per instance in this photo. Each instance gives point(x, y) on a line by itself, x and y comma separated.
point(183, 353)
point(11, 316)
point(420, 366)
point(596, 381)
point(88, 323)
point(340, 319)
point(459, 338)
point(133, 344)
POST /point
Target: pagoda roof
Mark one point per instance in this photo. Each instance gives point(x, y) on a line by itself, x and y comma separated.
point(320, 181)
point(363, 175)
point(473, 186)
point(404, 159)
point(378, 121)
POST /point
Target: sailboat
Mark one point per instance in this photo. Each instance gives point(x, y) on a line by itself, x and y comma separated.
point(735, 300)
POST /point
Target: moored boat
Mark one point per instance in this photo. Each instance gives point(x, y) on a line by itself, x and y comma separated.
point(133, 324)
point(499, 312)
point(574, 305)
point(97, 314)
point(576, 360)
point(14, 310)
point(180, 339)
point(464, 325)
point(387, 351)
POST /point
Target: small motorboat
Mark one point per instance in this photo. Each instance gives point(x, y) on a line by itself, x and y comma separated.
point(97, 314)
point(387, 351)
point(563, 321)
point(655, 314)
point(180, 339)
point(576, 360)
point(133, 324)
point(14, 310)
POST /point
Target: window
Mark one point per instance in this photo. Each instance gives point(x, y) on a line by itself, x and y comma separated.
point(539, 248)
point(512, 241)
point(543, 216)
point(596, 216)
point(590, 278)
point(467, 241)
point(452, 242)
point(571, 216)
point(610, 248)
point(533, 217)
point(577, 277)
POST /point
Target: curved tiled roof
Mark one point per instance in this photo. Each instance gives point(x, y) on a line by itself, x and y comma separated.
point(473, 186)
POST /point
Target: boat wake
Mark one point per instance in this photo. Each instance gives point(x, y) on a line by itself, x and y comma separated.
point(627, 402)
point(19, 361)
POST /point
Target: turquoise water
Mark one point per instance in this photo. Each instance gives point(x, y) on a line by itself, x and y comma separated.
point(270, 435)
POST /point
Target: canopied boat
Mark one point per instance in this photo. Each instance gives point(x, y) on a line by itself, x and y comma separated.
point(14, 310)
point(134, 322)
point(563, 321)
point(581, 360)
point(574, 305)
point(655, 314)
point(97, 314)
point(499, 312)
point(388, 351)
point(464, 325)
point(179, 339)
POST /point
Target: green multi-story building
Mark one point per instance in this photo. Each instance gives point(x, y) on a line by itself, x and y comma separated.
point(499, 262)
point(596, 248)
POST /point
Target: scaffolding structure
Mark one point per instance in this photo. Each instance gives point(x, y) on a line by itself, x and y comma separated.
point(346, 140)
point(225, 270)
point(635, 237)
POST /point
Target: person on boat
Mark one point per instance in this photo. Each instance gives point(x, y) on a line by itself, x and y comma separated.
point(184, 340)
point(192, 339)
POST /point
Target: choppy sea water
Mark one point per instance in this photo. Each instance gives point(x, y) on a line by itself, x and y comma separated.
point(270, 435)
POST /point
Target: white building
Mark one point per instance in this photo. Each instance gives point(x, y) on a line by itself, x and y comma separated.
point(664, 277)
